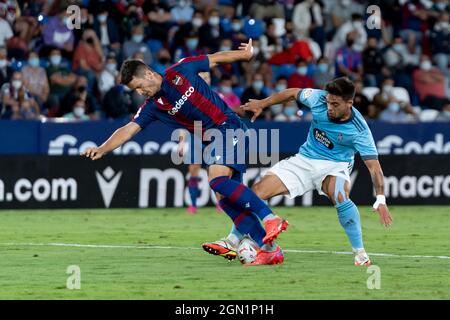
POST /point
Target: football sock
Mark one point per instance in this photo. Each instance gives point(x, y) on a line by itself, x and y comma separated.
point(268, 217)
point(193, 189)
point(235, 236)
point(245, 222)
point(241, 195)
point(349, 218)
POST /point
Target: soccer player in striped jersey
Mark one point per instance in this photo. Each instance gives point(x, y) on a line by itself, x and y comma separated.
point(324, 161)
point(179, 98)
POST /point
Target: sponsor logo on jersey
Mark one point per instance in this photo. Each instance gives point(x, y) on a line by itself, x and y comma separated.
point(322, 138)
point(181, 102)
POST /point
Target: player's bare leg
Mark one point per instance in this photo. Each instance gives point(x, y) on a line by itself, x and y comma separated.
point(269, 186)
point(337, 190)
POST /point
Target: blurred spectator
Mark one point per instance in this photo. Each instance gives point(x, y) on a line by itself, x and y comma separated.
point(163, 61)
point(308, 21)
point(270, 42)
point(6, 32)
point(373, 63)
point(61, 80)
point(108, 77)
point(323, 74)
point(232, 100)
point(117, 103)
point(255, 91)
point(57, 34)
point(290, 110)
point(188, 28)
point(440, 42)
point(136, 44)
point(182, 12)
point(360, 101)
point(5, 69)
point(88, 57)
point(397, 112)
point(159, 18)
point(35, 79)
point(209, 33)
point(300, 78)
point(356, 28)
point(107, 32)
point(429, 83)
point(414, 16)
point(77, 92)
point(13, 97)
point(78, 111)
point(191, 47)
point(348, 60)
point(261, 9)
point(444, 115)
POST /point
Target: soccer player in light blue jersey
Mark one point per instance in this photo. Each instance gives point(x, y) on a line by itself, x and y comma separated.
point(324, 161)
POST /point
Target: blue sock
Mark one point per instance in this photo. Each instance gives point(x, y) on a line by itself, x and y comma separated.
point(241, 195)
point(244, 221)
point(349, 218)
point(193, 190)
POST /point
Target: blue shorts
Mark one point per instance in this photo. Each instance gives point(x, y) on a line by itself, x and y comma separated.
point(229, 149)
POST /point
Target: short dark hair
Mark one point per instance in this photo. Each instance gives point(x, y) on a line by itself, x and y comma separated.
point(131, 68)
point(342, 87)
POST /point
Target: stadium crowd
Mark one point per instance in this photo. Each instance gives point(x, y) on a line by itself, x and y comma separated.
point(399, 59)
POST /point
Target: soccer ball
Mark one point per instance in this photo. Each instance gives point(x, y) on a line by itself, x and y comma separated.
point(247, 251)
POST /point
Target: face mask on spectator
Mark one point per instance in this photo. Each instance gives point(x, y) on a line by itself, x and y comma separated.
point(111, 67)
point(78, 111)
point(17, 84)
point(197, 22)
point(387, 88)
point(55, 60)
point(164, 60)
point(425, 65)
point(192, 43)
point(65, 20)
point(290, 111)
point(280, 87)
point(182, 3)
point(236, 26)
point(255, 51)
point(302, 70)
point(357, 24)
point(322, 67)
point(3, 63)
point(34, 62)
point(137, 38)
point(214, 21)
point(441, 6)
point(394, 107)
point(226, 89)
point(350, 42)
point(258, 85)
point(276, 109)
point(225, 48)
point(397, 46)
point(345, 3)
point(102, 18)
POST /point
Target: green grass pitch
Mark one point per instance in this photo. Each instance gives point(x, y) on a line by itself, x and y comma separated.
point(156, 254)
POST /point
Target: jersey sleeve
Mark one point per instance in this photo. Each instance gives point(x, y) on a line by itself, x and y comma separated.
point(311, 97)
point(365, 145)
point(144, 116)
point(193, 65)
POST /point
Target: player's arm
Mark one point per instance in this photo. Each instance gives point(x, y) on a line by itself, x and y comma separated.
point(378, 182)
point(119, 137)
point(257, 106)
point(244, 53)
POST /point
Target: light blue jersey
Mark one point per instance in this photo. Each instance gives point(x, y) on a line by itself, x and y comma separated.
point(335, 141)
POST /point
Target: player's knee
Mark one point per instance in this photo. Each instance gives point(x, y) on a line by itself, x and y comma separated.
point(260, 191)
point(340, 194)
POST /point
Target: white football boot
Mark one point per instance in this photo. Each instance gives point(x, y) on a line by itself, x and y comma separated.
point(361, 257)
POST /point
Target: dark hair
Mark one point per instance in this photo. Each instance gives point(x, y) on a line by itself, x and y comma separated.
point(225, 77)
point(131, 68)
point(281, 77)
point(342, 87)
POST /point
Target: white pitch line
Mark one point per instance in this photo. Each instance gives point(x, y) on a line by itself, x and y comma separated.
point(55, 244)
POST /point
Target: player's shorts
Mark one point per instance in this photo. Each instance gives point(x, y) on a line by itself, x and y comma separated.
point(300, 174)
point(231, 151)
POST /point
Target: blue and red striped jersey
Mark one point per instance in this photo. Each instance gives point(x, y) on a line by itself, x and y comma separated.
point(184, 98)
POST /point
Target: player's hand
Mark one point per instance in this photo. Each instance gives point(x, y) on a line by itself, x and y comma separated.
point(254, 106)
point(93, 153)
point(248, 49)
point(385, 216)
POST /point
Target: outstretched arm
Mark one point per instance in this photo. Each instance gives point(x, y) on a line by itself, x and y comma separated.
point(257, 106)
point(119, 137)
point(378, 181)
point(244, 53)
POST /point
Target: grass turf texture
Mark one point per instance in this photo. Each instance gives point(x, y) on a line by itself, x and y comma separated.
point(39, 272)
